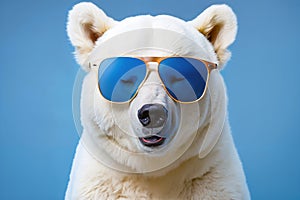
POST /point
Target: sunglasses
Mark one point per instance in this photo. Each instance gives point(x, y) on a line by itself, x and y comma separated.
point(183, 78)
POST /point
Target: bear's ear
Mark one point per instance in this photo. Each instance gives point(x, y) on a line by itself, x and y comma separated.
point(86, 23)
point(219, 25)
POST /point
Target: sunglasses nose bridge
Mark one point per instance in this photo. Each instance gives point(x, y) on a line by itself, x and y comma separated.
point(152, 75)
point(152, 66)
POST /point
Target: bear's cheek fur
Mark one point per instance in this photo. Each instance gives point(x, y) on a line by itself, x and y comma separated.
point(94, 110)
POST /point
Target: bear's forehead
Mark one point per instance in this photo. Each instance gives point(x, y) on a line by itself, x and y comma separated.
point(170, 34)
point(160, 21)
point(165, 22)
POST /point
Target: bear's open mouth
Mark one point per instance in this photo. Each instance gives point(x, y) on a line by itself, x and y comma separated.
point(152, 141)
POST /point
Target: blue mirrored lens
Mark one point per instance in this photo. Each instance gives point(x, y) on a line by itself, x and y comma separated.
point(184, 78)
point(120, 77)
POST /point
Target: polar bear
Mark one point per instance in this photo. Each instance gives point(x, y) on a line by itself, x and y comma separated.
point(151, 143)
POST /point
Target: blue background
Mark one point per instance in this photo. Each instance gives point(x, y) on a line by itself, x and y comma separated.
point(37, 72)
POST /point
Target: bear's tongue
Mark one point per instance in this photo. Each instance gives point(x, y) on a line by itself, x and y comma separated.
point(152, 140)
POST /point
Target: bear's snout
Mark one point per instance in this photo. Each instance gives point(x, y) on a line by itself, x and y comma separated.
point(152, 115)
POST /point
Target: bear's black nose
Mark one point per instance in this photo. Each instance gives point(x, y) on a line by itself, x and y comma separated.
point(152, 115)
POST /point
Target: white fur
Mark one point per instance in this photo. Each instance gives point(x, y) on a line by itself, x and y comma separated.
point(200, 161)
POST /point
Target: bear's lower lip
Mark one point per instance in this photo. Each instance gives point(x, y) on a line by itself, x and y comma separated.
point(152, 141)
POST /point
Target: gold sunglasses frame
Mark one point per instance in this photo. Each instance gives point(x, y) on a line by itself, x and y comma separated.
point(209, 66)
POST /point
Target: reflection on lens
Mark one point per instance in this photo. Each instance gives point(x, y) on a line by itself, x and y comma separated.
point(184, 78)
point(120, 77)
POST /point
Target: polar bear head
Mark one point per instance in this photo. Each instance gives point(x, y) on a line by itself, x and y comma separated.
point(147, 128)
